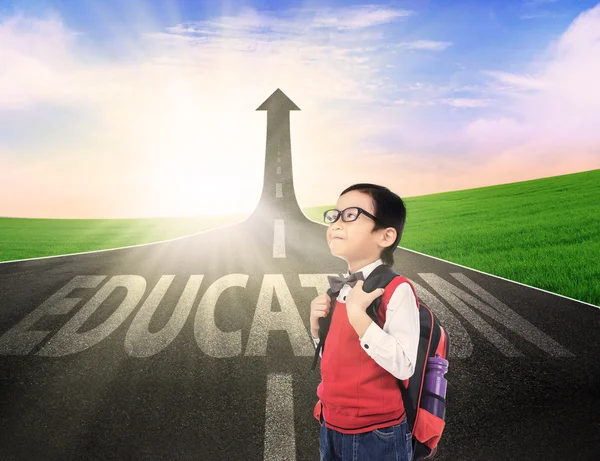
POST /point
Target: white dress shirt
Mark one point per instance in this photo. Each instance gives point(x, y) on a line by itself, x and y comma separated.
point(394, 347)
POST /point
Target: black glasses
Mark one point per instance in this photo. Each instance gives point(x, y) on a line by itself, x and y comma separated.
point(348, 215)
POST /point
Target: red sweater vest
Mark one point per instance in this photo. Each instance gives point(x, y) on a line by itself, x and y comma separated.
point(357, 394)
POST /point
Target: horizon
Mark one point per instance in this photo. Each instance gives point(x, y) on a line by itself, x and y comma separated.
point(248, 212)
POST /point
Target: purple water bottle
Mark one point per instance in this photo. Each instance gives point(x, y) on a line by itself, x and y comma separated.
point(434, 387)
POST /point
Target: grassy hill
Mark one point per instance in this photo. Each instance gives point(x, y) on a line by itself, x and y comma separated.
point(543, 232)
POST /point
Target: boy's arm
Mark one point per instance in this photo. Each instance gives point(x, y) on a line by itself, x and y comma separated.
point(394, 347)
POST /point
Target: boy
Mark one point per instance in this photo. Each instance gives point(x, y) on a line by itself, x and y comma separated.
point(362, 408)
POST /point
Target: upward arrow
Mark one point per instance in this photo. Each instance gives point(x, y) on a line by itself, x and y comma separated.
point(278, 197)
point(278, 102)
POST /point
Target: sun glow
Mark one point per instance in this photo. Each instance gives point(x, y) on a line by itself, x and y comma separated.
point(202, 155)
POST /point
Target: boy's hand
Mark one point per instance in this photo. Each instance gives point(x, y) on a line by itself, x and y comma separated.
point(358, 301)
point(319, 307)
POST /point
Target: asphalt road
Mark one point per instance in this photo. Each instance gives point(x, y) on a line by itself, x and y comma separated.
point(199, 348)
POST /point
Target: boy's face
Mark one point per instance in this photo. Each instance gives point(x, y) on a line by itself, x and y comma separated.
point(354, 241)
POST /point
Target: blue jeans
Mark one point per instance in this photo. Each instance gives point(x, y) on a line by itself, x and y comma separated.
point(393, 443)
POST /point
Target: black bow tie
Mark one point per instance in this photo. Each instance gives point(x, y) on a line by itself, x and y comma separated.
point(336, 283)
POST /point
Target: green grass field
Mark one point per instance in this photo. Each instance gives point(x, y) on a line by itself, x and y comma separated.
point(544, 232)
point(22, 238)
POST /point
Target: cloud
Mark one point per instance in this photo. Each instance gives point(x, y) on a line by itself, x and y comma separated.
point(501, 132)
point(357, 17)
point(35, 62)
point(518, 82)
point(554, 106)
point(41, 60)
point(465, 102)
point(425, 45)
point(413, 103)
point(294, 21)
point(453, 102)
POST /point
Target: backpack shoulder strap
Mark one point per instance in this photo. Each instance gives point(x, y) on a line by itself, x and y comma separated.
point(379, 277)
point(324, 323)
point(385, 277)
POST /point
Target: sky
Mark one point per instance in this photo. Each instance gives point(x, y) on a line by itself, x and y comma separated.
point(112, 109)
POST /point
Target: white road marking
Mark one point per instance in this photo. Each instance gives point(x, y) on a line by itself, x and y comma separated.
point(278, 170)
point(139, 342)
point(19, 340)
point(488, 332)
point(280, 442)
point(279, 159)
point(68, 341)
point(287, 319)
point(461, 346)
point(278, 192)
point(210, 339)
point(446, 299)
point(279, 239)
point(498, 311)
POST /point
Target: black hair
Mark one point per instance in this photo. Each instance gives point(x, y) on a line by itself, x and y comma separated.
point(390, 211)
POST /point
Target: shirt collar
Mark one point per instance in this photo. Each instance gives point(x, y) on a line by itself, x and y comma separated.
point(366, 270)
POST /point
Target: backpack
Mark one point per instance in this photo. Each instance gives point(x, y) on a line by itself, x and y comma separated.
point(426, 427)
